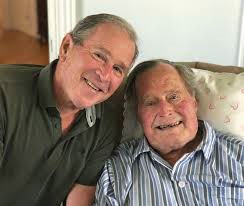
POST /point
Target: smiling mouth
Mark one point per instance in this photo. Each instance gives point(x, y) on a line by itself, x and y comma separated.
point(163, 127)
point(90, 84)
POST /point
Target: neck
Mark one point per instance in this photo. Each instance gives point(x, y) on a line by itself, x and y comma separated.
point(173, 156)
point(64, 105)
point(67, 110)
point(67, 122)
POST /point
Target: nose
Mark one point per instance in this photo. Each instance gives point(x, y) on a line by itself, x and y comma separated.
point(104, 77)
point(104, 72)
point(165, 108)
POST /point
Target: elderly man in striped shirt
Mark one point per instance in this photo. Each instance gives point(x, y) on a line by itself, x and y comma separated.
point(179, 160)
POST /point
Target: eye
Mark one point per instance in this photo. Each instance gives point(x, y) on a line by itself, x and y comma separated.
point(173, 97)
point(99, 56)
point(118, 69)
point(149, 102)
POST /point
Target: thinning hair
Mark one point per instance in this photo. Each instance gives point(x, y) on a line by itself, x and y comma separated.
point(86, 26)
point(184, 72)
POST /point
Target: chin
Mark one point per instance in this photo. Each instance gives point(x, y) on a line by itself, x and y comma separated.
point(82, 105)
point(180, 144)
point(85, 103)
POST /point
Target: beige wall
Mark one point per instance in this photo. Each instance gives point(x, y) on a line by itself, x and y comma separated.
point(20, 16)
point(2, 15)
point(1, 18)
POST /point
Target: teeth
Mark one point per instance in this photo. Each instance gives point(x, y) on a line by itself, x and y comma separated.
point(91, 85)
point(170, 125)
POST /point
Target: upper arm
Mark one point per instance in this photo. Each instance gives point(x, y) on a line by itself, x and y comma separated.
point(116, 179)
point(81, 195)
point(105, 194)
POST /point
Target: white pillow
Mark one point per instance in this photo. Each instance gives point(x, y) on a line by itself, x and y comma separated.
point(221, 100)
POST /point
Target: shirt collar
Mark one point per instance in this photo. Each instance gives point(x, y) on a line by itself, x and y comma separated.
point(46, 96)
point(91, 116)
point(142, 147)
point(208, 139)
point(92, 113)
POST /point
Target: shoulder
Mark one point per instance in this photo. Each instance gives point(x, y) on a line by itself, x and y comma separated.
point(125, 153)
point(118, 168)
point(225, 138)
point(18, 82)
point(230, 144)
point(17, 72)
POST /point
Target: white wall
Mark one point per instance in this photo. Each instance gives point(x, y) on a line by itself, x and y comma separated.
point(189, 30)
point(62, 18)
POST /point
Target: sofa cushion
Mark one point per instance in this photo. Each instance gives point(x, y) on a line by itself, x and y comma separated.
point(220, 99)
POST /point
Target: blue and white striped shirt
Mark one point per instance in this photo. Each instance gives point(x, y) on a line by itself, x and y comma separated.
point(213, 174)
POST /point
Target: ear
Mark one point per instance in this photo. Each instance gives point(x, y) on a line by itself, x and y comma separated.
point(195, 104)
point(66, 45)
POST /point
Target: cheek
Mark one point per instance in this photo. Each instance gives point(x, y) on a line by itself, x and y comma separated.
point(188, 110)
point(145, 118)
point(115, 83)
point(81, 62)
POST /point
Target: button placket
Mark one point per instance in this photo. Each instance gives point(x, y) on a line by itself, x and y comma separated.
point(56, 123)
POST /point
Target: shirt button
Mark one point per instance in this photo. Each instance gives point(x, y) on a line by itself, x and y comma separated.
point(181, 184)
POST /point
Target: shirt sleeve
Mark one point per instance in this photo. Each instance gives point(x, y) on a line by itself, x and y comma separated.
point(105, 195)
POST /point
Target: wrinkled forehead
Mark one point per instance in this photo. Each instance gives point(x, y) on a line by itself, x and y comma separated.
point(159, 68)
point(161, 75)
point(115, 41)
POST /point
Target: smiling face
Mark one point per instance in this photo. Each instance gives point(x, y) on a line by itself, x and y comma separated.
point(166, 110)
point(90, 73)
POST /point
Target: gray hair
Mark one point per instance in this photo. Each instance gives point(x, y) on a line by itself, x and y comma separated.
point(132, 128)
point(86, 26)
point(185, 73)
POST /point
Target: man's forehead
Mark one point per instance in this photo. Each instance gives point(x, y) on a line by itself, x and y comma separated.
point(157, 77)
point(114, 39)
point(160, 74)
point(124, 59)
point(117, 59)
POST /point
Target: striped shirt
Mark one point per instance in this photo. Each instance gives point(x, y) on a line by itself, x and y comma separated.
point(213, 174)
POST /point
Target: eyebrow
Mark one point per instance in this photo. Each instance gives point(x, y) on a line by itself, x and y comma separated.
point(149, 96)
point(176, 90)
point(146, 97)
point(104, 50)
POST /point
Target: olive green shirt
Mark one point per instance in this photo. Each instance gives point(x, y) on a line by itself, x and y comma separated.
point(38, 166)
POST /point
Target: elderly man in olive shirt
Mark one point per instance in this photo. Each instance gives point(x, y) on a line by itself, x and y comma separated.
point(56, 131)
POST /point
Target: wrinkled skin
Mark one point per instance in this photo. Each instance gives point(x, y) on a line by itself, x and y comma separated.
point(166, 110)
point(90, 73)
